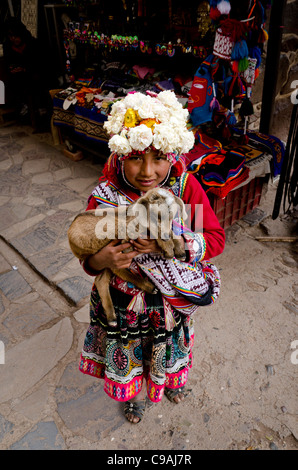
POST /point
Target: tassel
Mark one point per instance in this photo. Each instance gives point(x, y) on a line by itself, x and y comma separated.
point(243, 64)
point(246, 108)
point(224, 7)
point(231, 119)
point(234, 28)
point(255, 53)
point(226, 133)
point(170, 322)
point(244, 139)
point(214, 105)
point(236, 86)
point(214, 14)
point(137, 303)
point(240, 50)
point(235, 64)
point(263, 36)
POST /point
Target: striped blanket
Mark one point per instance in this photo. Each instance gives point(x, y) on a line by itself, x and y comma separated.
point(184, 286)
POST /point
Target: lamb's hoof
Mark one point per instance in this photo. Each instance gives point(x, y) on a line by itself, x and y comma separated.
point(112, 323)
point(149, 288)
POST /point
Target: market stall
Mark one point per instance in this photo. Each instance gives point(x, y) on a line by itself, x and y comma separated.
point(209, 56)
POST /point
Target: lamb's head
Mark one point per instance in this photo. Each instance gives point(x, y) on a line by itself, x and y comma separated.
point(165, 198)
point(161, 207)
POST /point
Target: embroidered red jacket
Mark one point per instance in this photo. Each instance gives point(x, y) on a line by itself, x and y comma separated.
point(195, 198)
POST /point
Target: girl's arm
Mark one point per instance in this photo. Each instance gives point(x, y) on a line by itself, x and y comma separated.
point(202, 221)
point(111, 256)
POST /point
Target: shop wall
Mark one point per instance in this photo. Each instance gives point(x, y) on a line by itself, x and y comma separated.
point(288, 74)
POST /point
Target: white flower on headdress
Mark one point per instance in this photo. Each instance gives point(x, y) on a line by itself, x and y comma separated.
point(140, 137)
point(168, 98)
point(160, 112)
point(118, 108)
point(145, 111)
point(140, 103)
point(113, 125)
point(187, 141)
point(165, 138)
point(169, 134)
point(119, 144)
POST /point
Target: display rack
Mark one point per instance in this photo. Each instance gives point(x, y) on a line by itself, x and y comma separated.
point(213, 75)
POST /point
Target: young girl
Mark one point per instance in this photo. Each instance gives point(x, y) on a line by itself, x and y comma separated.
point(146, 355)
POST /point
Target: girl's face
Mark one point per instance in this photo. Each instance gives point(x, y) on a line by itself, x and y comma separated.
point(146, 171)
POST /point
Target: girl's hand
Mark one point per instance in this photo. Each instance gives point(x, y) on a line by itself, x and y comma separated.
point(145, 245)
point(112, 256)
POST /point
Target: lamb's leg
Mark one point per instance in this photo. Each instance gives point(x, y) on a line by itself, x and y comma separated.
point(102, 284)
point(179, 249)
point(167, 247)
point(140, 282)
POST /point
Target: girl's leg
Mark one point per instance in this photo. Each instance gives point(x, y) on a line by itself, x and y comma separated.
point(138, 399)
point(176, 395)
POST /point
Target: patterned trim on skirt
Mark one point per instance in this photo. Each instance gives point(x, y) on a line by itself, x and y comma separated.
point(139, 347)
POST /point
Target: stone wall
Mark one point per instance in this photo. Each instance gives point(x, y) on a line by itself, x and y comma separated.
point(288, 73)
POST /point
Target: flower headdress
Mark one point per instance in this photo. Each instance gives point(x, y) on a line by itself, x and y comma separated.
point(138, 122)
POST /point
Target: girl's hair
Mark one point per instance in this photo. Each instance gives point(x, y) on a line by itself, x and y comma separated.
point(111, 172)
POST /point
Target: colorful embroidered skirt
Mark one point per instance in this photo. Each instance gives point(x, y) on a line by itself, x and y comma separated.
point(139, 347)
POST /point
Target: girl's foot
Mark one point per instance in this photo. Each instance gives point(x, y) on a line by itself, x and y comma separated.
point(176, 395)
point(135, 408)
point(134, 411)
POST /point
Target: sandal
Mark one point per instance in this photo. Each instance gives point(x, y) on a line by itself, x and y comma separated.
point(136, 409)
point(172, 393)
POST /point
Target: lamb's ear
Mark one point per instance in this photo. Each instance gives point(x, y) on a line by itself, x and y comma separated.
point(180, 203)
point(142, 200)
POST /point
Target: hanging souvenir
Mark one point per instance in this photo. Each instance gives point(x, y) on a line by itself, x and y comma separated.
point(203, 18)
point(245, 111)
point(249, 75)
point(214, 105)
point(170, 50)
point(223, 45)
point(219, 8)
point(201, 95)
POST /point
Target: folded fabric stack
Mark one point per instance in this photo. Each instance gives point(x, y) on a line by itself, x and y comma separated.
point(219, 171)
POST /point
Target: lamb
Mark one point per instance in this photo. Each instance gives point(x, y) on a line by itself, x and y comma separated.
point(151, 214)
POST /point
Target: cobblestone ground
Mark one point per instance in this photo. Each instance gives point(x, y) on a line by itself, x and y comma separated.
point(244, 377)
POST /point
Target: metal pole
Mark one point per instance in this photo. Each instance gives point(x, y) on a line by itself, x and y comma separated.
point(272, 64)
point(10, 8)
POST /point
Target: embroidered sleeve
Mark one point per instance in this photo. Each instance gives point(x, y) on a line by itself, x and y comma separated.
point(195, 243)
point(88, 270)
point(195, 246)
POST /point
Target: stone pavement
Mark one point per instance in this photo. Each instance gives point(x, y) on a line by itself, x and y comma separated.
point(45, 402)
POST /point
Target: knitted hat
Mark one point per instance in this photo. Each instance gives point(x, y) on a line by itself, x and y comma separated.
point(142, 121)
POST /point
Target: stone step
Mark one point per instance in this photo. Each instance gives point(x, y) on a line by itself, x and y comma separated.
point(7, 116)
